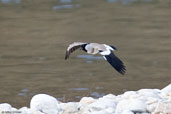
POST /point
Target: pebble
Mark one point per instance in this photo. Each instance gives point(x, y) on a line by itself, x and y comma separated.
point(71, 107)
point(143, 101)
point(163, 107)
point(134, 105)
point(5, 107)
point(45, 104)
point(87, 100)
point(103, 104)
point(167, 89)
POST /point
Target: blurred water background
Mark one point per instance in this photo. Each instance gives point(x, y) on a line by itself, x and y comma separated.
point(34, 35)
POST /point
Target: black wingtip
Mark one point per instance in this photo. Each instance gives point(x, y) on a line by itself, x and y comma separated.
point(116, 63)
point(123, 70)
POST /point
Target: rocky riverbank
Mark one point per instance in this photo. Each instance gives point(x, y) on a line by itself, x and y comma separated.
point(144, 101)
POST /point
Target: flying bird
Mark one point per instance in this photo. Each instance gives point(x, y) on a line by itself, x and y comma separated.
point(95, 48)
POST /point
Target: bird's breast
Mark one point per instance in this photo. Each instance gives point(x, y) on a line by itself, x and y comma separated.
point(92, 51)
point(107, 52)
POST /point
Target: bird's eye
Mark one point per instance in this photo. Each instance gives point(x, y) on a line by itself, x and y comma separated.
point(100, 50)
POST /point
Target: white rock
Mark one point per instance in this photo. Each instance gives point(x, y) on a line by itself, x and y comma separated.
point(127, 112)
point(151, 100)
point(152, 104)
point(130, 94)
point(109, 110)
point(71, 107)
point(118, 98)
point(45, 104)
point(37, 112)
point(109, 96)
point(151, 107)
point(87, 100)
point(83, 109)
point(167, 89)
point(146, 93)
point(83, 105)
point(134, 105)
point(25, 110)
point(166, 92)
point(144, 113)
point(98, 112)
point(5, 106)
point(144, 101)
point(157, 91)
point(163, 107)
point(14, 109)
point(102, 104)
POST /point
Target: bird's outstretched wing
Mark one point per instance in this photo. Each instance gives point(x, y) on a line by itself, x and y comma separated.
point(115, 62)
point(72, 47)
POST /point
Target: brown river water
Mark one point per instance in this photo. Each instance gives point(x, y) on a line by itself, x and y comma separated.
point(34, 35)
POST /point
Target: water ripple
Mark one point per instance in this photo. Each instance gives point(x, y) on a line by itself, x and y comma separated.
point(127, 2)
point(65, 1)
point(23, 92)
point(78, 89)
point(97, 94)
point(66, 6)
point(11, 1)
point(90, 57)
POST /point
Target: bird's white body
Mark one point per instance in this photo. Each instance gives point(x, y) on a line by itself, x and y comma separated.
point(94, 48)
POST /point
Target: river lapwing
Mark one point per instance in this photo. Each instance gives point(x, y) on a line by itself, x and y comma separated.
point(95, 48)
